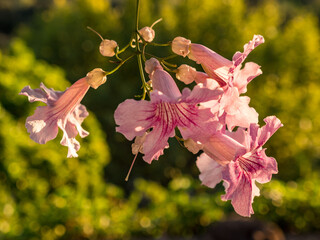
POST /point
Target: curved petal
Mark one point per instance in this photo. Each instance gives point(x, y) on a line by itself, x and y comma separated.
point(77, 117)
point(269, 168)
point(41, 126)
point(68, 140)
point(222, 148)
point(213, 63)
point(156, 141)
point(264, 133)
point(243, 116)
point(210, 170)
point(202, 123)
point(202, 92)
point(163, 82)
point(238, 189)
point(134, 117)
point(34, 94)
point(243, 76)
point(239, 57)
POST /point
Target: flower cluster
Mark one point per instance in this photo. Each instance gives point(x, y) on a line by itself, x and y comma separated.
point(214, 117)
point(206, 118)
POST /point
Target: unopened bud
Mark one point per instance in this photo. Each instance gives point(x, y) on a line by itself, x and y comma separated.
point(181, 46)
point(147, 33)
point(107, 48)
point(96, 77)
point(151, 65)
point(186, 73)
point(192, 146)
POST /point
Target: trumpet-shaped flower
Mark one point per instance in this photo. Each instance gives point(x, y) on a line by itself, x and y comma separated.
point(239, 160)
point(230, 76)
point(63, 111)
point(167, 109)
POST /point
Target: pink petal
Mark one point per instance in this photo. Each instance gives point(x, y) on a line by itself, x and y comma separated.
point(77, 117)
point(272, 125)
point(201, 77)
point(222, 148)
point(240, 114)
point(210, 170)
point(40, 126)
point(269, 168)
point(34, 94)
point(209, 90)
point(199, 124)
point(156, 141)
point(134, 117)
point(162, 80)
point(46, 95)
point(244, 76)
point(216, 66)
point(68, 140)
point(72, 96)
point(238, 189)
point(241, 136)
point(53, 95)
point(239, 57)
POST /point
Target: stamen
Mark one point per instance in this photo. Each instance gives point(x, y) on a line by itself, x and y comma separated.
point(134, 159)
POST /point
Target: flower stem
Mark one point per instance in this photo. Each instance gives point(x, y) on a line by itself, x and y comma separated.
point(137, 15)
point(144, 83)
point(121, 63)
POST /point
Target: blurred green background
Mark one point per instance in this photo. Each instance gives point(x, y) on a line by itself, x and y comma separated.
point(44, 195)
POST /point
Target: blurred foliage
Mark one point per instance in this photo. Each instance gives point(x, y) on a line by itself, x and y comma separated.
point(46, 196)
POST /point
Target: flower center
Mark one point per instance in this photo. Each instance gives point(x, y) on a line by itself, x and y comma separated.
point(249, 162)
point(176, 114)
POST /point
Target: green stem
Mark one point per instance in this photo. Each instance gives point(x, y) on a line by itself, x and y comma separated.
point(144, 83)
point(159, 44)
point(122, 62)
point(137, 16)
point(124, 48)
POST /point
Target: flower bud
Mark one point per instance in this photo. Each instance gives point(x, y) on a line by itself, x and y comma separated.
point(96, 77)
point(186, 73)
point(107, 48)
point(181, 46)
point(192, 146)
point(151, 65)
point(147, 33)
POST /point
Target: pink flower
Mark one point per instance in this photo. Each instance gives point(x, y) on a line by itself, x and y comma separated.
point(244, 162)
point(225, 71)
point(234, 80)
point(167, 109)
point(63, 111)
